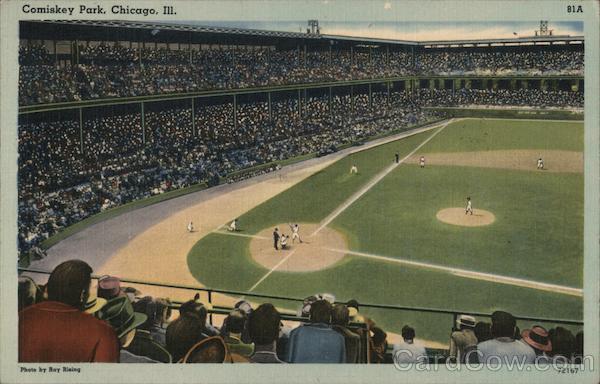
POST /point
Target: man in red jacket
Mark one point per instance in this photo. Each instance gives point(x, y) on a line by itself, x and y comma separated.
point(58, 330)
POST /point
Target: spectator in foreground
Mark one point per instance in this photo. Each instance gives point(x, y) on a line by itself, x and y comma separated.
point(463, 340)
point(563, 345)
point(537, 338)
point(57, 330)
point(158, 311)
point(502, 348)
point(316, 342)
point(353, 308)
point(119, 313)
point(236, 322)
point(29, 292)
point(263, 327)
point(183, 334)
point(409, 351)
point(339, 319)
point(150, 337)
point(482, 331)
point(379, 345)
point(196, 310)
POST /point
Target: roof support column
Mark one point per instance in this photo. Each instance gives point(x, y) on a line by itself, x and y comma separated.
point(81, 130)
point(235, 120)
point(330, 103)
point(388, 92)
point(193, 117)
point(352, 99)
point(305, 55)
point(299, 104)
point(270, 106)
point(143, 113)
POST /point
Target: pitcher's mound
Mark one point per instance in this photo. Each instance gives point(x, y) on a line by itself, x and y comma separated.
point(310, 255)
point(456, 216)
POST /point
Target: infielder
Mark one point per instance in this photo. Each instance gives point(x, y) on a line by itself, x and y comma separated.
point(469, 208)
point(354, 169)
point(540, 163)
point(233, 226)
point(295, 233)
point(422, 161)
point(190, 227)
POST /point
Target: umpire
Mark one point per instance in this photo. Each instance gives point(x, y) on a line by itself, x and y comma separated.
point(276, 238)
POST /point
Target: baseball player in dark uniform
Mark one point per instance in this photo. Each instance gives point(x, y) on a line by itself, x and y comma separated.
point(276, 238)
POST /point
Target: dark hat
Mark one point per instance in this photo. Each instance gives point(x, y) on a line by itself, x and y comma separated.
point(109, 287)
point(537, 337)
point(119, 313)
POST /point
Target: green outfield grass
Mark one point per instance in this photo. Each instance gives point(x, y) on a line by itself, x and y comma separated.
point(537, 234)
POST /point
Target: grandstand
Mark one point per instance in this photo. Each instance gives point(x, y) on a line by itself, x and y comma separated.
point(117, 115)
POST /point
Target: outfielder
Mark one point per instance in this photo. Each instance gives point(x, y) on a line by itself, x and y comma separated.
point(190, 227)
point(295, 233)
point(469, 208)
point(422, 161)
point(540, 163)
point(354, 169)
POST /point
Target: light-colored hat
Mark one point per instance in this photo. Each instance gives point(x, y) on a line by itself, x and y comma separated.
point(465, 320)
point(94, 303)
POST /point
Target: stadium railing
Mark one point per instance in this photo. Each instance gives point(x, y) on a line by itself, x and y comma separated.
point(210, 293)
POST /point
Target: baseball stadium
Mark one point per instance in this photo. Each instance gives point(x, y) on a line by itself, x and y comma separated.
point(382, 192)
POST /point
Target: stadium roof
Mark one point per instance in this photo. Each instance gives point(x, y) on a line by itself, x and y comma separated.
point(85, 29)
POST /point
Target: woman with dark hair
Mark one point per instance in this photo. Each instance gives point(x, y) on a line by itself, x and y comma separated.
point(58, 330)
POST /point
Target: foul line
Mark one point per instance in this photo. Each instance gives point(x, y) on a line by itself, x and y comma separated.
point(372, 183)
point(239, 234)
point(272, 270)
point(471, 274)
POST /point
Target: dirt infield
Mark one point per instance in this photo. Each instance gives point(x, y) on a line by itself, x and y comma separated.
point(310, 255)
point(457, 216)
point(524, 160)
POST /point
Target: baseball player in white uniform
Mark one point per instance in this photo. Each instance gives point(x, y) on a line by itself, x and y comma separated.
point(540, 163)
point(295, 233)
point(422, 161)
point(469, 208)
point(354, 169)
point(233, 226)
point(190, 227)
point(283, 241)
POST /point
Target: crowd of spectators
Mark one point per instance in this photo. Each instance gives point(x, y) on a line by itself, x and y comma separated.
point(484, 62)
point(104, 71)
point(66, 175)
point(68, 321)
point(501, 97)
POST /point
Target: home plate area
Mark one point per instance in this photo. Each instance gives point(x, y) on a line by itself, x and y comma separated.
point(312, 254)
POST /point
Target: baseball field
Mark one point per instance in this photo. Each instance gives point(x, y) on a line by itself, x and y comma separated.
point(397, 233)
